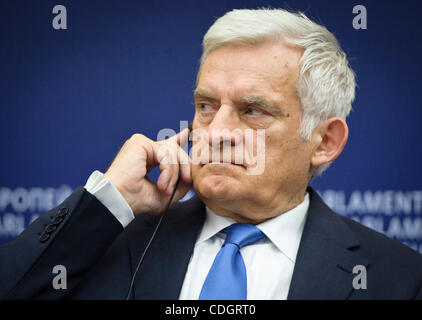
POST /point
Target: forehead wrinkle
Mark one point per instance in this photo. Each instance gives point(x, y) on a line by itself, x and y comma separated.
point(276, 84)
point(282, 67)
point(203, 93)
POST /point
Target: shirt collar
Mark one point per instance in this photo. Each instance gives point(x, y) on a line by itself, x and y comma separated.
point(284, 230)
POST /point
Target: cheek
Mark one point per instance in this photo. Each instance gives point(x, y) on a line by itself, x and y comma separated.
point(286, 155)
point(254, 150)
point(195, 169)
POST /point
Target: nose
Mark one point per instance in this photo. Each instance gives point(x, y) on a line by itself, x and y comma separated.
point(225, 127)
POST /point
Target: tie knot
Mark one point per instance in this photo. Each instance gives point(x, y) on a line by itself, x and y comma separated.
point(242, 234)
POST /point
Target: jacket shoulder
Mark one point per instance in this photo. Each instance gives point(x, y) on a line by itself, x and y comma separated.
point(377, 243)
point(394, 268)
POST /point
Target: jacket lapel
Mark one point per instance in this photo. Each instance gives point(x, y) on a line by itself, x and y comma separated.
point(325, 259)
point(163, 269)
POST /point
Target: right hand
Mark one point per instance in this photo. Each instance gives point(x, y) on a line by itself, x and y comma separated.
point(138, 155)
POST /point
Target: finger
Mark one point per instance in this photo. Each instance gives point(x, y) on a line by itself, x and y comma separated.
point(182, 157)
point(169, 166)
point(185, 164)
point(181, 138)
point(175, 167)
point(164, 180)
point(183, 161)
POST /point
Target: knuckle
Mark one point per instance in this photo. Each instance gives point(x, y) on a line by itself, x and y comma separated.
point(137, 140)
point(137, 136)
point(162, 152)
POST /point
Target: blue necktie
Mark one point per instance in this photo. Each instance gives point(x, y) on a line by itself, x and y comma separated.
point(226, 279)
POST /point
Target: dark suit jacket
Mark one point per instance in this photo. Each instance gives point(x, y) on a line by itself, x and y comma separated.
point(100, 256)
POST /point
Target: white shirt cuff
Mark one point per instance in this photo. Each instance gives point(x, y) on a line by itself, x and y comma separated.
point(110, 197)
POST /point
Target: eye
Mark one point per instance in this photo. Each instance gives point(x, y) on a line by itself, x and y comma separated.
point(206, 111)
point(250, 111)
point(205, 107)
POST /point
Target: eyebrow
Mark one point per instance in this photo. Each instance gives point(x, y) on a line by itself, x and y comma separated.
point(261, 102)
point(202, 93)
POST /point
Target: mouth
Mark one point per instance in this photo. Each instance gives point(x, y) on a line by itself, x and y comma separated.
point(224, 163)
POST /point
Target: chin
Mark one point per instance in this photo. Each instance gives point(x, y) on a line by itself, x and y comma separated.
point(217, 187)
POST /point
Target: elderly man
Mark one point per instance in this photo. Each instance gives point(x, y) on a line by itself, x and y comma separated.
point(275, 86)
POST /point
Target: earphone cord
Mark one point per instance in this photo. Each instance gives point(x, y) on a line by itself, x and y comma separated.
point(151, 239)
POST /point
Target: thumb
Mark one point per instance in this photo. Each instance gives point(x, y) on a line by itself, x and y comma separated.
point(182, 188)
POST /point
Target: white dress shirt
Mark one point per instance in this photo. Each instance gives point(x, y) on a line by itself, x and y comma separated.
point(269, 262)
point(110, 197)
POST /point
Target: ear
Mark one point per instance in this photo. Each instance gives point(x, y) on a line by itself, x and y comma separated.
point(329, 139)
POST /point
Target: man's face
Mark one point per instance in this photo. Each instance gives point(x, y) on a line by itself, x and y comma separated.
point(243, 89)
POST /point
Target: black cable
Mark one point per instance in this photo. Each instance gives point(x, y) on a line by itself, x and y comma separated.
point(152, 238)
point(155, 231)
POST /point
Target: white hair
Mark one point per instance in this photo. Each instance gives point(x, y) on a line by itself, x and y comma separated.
point(326, 84)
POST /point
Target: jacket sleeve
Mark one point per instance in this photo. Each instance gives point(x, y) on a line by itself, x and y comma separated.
point(73, 235)
point(419, 295)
